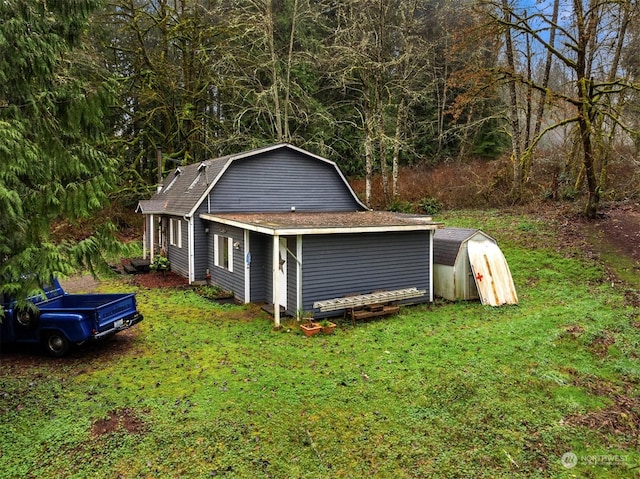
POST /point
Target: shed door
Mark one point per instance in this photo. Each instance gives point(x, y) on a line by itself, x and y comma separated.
point(471, 291)
point(282, 280)
point(491, 273)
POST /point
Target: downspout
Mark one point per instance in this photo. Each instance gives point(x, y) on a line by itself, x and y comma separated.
point(247, 267)
point(299, 275)
point(192, 264)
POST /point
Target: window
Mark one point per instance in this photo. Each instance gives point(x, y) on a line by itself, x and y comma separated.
point(175, 232)
point(223, 252)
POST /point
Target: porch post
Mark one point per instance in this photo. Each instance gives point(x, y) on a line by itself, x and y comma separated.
point(151, 237)
point(299, 275)
point(276, 280)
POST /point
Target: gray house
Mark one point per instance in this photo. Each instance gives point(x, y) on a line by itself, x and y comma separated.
point(282, 226)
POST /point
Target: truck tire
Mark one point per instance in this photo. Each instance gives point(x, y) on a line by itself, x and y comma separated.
point(56, 344)
point(26, 318)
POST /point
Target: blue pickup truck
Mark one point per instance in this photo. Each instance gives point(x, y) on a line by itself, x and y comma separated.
point(59, 319)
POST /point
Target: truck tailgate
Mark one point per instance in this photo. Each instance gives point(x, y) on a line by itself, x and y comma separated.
point(110, 314)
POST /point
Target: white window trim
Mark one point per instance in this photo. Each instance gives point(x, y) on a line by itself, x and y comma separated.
point(216, 253)
point(175, 233)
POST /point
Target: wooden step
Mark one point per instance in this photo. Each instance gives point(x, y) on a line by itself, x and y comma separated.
point(365, 313)
point(129, 269)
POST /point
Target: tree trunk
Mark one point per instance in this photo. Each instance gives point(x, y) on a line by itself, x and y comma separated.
point(368, 146)
point(547, 69)
point(368, 159)
point(513, 103)
point(275, 87)
point(396, 148)
point(384, 167)
point(287, 86)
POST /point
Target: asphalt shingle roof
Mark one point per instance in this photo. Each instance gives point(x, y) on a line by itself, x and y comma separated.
point(447, 243)
point(184, 188)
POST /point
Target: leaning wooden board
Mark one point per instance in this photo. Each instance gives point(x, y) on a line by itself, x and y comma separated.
point(491, 273)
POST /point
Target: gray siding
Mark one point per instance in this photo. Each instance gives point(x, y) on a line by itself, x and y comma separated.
point(200, 246)
point(278, 180)
point(337, 265)
point(261, 247)
point(228, 280)
point(179, 257)
point(260, 287)
point(292, 271)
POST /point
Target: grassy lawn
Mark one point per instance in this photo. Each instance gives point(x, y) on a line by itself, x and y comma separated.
point(448, 390)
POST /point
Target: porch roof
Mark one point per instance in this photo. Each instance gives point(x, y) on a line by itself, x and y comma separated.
point(305, 223)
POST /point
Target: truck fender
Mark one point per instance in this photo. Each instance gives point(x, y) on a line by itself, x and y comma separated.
point(75, 326)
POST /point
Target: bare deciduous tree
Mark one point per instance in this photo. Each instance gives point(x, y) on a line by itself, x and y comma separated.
point(379, 54)
point(592, 34)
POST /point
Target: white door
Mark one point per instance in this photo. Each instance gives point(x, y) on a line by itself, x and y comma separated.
point(282, 272)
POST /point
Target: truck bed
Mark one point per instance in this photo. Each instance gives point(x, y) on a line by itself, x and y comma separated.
point(105, 309)
point(81, 301)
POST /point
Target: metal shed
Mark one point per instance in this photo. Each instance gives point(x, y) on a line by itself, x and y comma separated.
point(468, 264)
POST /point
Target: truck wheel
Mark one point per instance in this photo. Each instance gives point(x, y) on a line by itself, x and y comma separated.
point(26, 318)
point(56, 344)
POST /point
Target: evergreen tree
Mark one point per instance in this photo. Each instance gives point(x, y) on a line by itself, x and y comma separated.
point(51, 107)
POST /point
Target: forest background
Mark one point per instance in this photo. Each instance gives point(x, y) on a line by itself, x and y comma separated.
point(422, 103)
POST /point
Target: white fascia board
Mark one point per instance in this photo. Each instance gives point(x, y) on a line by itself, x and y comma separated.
point(168, 213)
point(238, 224)
point(321, 230)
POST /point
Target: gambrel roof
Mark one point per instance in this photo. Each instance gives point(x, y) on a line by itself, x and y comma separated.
point(186, 187)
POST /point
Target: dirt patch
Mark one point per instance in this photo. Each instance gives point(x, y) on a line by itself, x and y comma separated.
point(621, 417)
point(632, 297)
point(80, 284)
point(616, 230)
point(620, 226)
point(601, 343)
point(124, 419)
point(86, 283)
point(159, 280)
point(574, 330)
